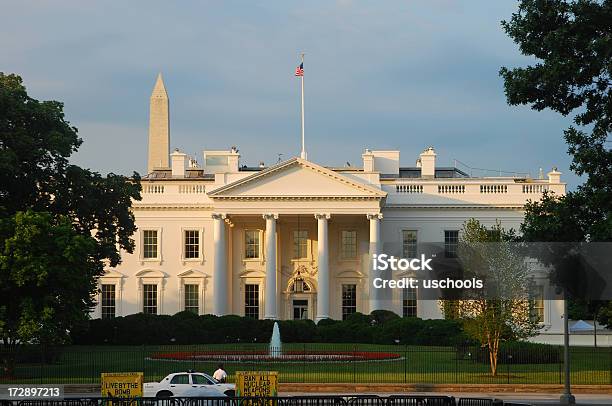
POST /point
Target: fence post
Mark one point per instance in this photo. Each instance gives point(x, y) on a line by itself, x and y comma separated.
point(304, 365)
point(610, 365)
point(405, 363)
point(42, 364)
point(457, 364)
point(508, 358)
point(560, 367)
point(142, 359)
point(354, 365)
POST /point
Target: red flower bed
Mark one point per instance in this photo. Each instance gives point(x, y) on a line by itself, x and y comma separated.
point(286, 356)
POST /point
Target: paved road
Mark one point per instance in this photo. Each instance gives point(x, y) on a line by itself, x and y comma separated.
point(547, 399)
point(533, 398)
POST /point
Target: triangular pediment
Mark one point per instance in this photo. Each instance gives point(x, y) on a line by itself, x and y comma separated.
point(193, 273)
point(297, 178)
point(111, 273)
point(150, 273)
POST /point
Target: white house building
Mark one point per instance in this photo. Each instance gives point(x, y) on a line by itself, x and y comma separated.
point(292, 240)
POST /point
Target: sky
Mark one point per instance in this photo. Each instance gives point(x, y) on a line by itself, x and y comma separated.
point(378, 74)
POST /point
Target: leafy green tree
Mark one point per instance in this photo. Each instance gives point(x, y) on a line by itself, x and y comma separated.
point(60, 225)
point(48, 271)
point(571, 42)
point(501, 311)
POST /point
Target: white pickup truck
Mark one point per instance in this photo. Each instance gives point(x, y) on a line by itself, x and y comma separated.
point(188, 384)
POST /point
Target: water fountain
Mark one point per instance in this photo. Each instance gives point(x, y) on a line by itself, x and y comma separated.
point(276, 350)
point(274, 354)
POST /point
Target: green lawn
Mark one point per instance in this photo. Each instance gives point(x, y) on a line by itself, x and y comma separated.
point(418, 364)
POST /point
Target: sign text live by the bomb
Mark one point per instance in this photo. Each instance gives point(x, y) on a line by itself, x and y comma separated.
point(122, 384)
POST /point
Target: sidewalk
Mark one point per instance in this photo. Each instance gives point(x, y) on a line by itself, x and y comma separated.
point(531, 398)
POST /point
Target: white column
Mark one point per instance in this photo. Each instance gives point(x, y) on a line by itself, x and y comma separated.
point(375, 246)
point(323, 264)
point(270, 311)
point(220, 274)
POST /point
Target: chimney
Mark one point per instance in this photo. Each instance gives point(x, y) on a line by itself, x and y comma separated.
point(193, 163)
point(233, 160)
point(179, 163)
point(554, 176)
point(368, 161)
point(428, 163)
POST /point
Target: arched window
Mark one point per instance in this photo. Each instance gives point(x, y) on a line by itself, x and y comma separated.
point(299, 285)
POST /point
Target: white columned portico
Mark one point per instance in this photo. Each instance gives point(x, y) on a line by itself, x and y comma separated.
point(323, 268)
point(376, 299)
point(220, 273)
point(270, 311)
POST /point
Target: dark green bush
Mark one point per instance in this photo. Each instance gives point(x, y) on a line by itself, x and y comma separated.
point(415, 331)
point(45, 354)
point(298, 331)
point(383, 316)
point(522, 352)
point(354, 329)
point(381, 327)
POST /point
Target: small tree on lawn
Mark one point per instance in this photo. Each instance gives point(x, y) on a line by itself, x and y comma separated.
point(501, 310)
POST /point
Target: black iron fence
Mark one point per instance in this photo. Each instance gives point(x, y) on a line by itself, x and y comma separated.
point(403, 400)
point(310, 363)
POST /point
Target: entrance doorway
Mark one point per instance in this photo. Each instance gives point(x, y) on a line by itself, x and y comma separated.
point(300, 309)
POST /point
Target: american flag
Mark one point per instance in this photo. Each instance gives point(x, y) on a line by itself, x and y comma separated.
point(299, 71)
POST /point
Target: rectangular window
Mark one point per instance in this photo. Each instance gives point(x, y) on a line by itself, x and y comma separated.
point(108, 301)
point(409, 243)
point(300, 244)
point(349, 300)
point(348, 244)
point(149, 299)
point(251, 301)
point(192, 298)
point(537, 304)
point(192, 244)
point(409, 302)
point(149, 244)
point(251, 244)
point(451, 243)
point(216, 160)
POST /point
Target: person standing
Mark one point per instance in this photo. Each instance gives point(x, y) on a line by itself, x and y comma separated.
point(220, 374)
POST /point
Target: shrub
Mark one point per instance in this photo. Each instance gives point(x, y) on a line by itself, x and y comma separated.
point(298, 331)
point(415, 331)
point(523, 352)
point(37, 354)
point(381, 327)
point(383, 316)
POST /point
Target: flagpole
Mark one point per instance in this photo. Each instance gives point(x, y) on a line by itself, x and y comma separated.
point(303, 153)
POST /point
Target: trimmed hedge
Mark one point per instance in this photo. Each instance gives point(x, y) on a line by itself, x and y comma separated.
point(381, 327)
point(519, 352)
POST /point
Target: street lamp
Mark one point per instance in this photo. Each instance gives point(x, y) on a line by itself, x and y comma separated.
point(567, 398)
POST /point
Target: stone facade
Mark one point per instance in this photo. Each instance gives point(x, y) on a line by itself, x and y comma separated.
point(293, 240)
